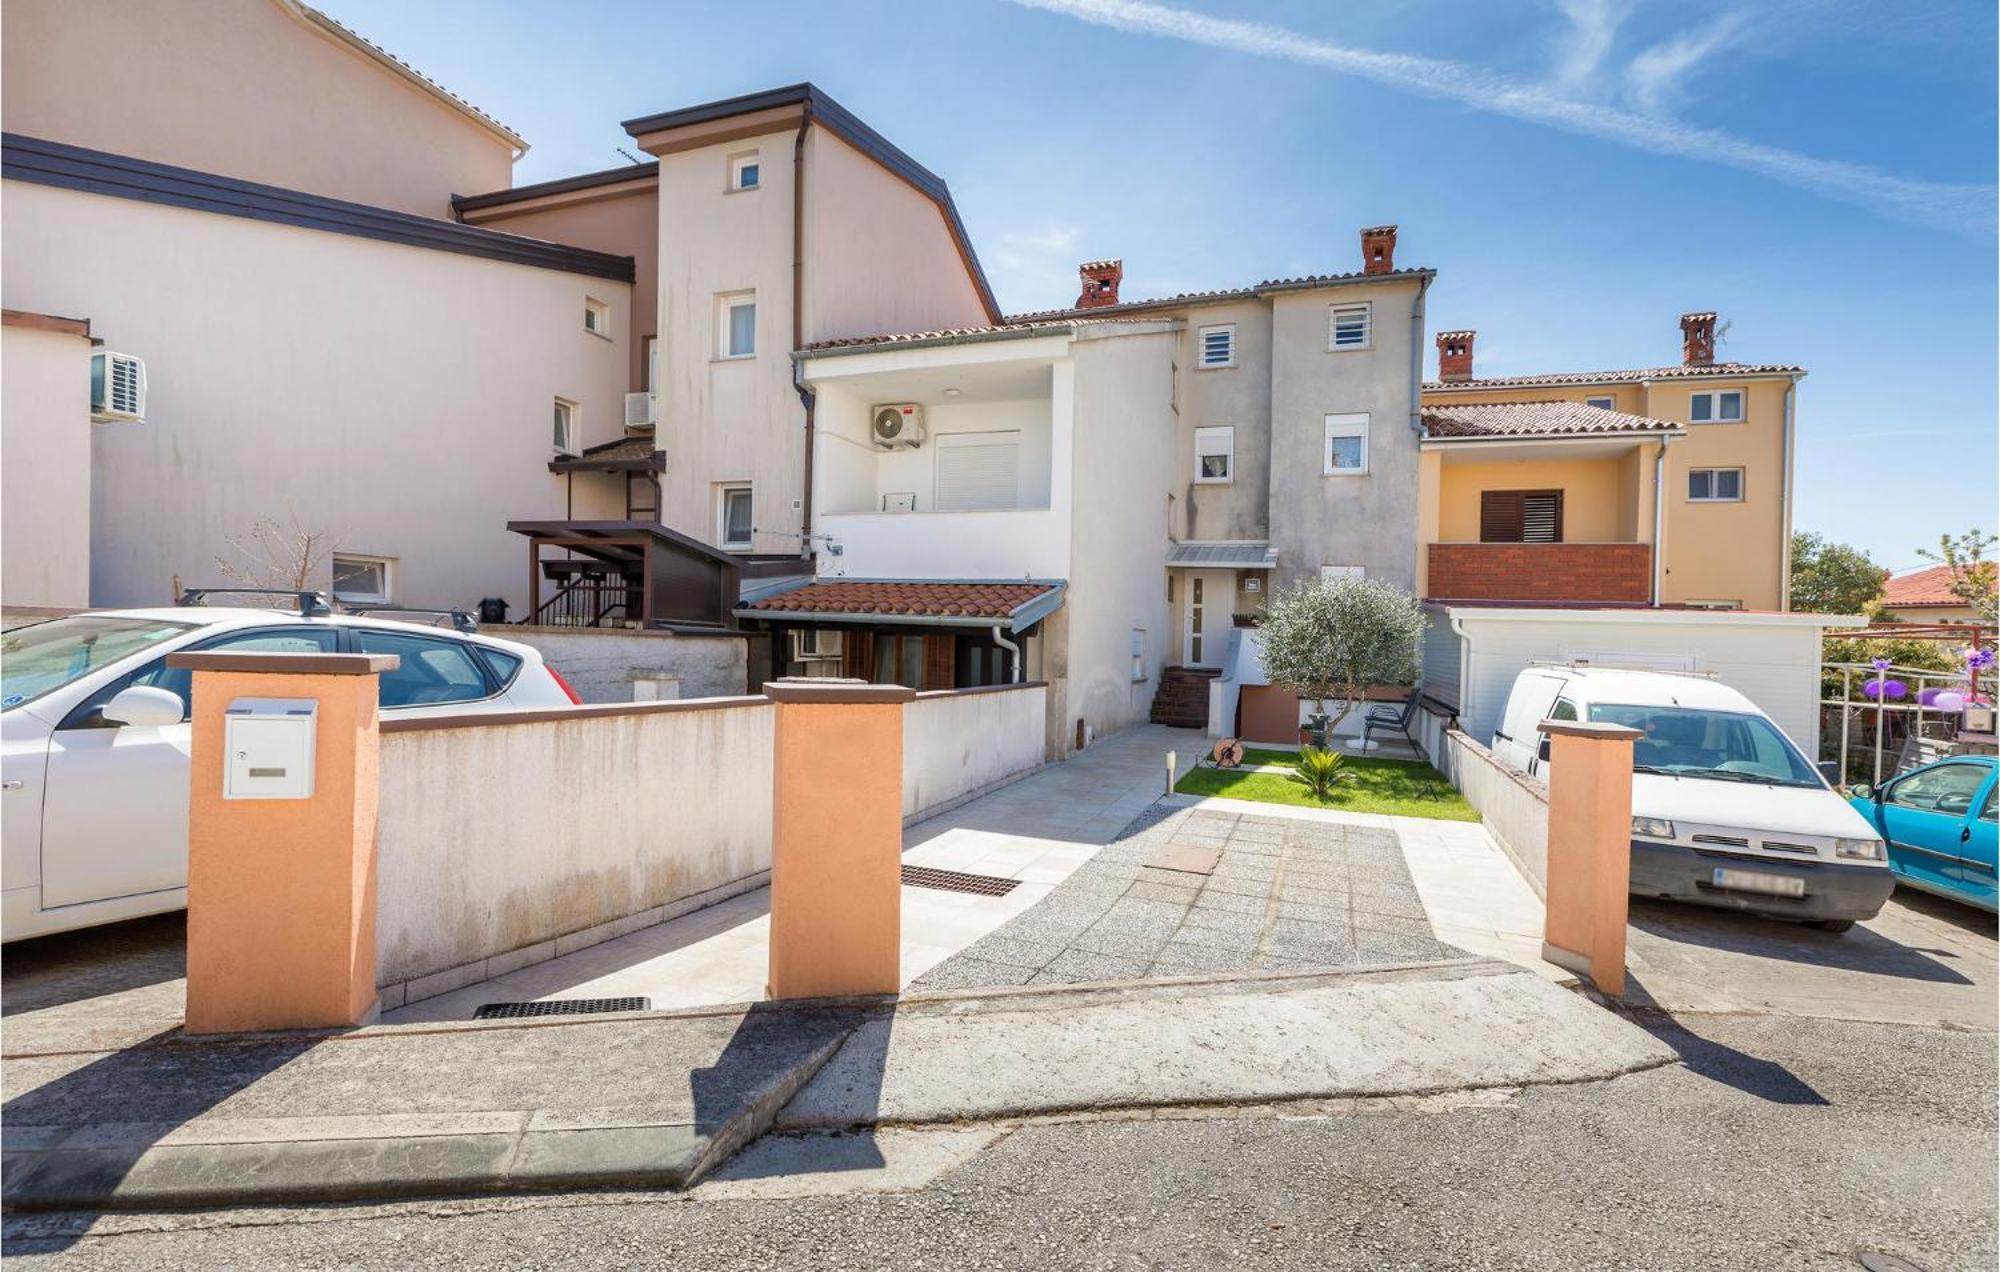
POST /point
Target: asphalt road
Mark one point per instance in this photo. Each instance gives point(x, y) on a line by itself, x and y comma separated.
point(1780, 1143)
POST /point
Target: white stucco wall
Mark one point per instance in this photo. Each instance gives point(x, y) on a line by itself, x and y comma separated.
point(603, 663)
point(500, 838)
point(1513, 806)
point(45, 439)
point(960, 741)
point(393, 397)
point(1237, 397)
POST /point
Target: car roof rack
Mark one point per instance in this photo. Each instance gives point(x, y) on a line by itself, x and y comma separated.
point(310, 604)
point(460, 619)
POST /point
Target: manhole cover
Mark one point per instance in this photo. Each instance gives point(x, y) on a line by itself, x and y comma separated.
point(954, 881)
point(1876, 1261)
point(561, 1007)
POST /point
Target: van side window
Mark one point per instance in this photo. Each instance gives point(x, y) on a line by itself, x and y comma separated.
point(1563, 710)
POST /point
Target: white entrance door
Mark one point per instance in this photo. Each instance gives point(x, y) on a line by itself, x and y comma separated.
point(1205, 637)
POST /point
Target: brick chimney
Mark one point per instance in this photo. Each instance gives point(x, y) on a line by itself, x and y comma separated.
point(1378, 249)
point(1100, 283)
point(1698, 339)
point(1454, 356)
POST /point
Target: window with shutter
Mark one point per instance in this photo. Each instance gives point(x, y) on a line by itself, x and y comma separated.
point(1520, 516)
point(978, 470)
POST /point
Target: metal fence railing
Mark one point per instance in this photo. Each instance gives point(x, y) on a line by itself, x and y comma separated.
point(1874, 736)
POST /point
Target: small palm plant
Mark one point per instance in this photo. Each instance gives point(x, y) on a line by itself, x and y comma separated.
point(1320, 771)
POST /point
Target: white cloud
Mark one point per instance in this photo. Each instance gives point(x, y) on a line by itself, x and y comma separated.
point(1658, 77)
point(1963, 208)
point(1593, 29)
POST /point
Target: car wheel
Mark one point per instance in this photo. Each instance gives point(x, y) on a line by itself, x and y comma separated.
point(1831, 925)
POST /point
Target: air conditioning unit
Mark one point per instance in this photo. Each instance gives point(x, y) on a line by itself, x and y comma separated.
point(117, 388)
point(815, 644)
point(641, 410)
point(899, 424)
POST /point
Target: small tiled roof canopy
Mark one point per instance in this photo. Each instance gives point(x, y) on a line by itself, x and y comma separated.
point(1535, 419)
point(1919, 588)
point(996, 601)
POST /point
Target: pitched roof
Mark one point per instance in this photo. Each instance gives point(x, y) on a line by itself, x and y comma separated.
point(819, 108)
point(1536, 419)
point(905, 601)
point(963, 335)
point(1920, 588)
point(369, 49)
point(1712, 371)
point(639, 451)
point(1249, 554)
point(1184, 299)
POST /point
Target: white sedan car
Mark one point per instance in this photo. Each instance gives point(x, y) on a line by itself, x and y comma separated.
point(94, 740)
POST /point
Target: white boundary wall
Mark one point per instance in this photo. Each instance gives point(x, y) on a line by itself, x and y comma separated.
point(1514, 806)
point(958, 743)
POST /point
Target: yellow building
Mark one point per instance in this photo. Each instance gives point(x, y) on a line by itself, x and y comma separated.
point(1548, 487)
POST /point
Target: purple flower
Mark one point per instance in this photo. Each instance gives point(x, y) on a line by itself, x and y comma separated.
point(1881, 664)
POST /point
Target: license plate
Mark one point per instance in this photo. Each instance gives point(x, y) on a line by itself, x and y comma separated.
point(1752, 881)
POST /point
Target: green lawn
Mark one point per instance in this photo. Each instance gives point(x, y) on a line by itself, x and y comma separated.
point(1401, 787)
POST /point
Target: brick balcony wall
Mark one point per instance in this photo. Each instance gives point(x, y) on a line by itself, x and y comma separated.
point(1598, 572)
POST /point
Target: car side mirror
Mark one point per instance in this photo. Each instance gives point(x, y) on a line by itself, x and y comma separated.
point(145, 706)
point(1830, 770)
point(1862, 790)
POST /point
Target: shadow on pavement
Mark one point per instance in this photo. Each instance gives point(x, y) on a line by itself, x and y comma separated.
point(722, 1090)
point(51, 971)
point(1860, 949)
point(1719, 1062)
point(1973, 921)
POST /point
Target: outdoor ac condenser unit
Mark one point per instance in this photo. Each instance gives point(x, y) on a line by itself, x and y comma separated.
point(117, 388)
point(639, 410)
point(814, 644)
point(899, 424)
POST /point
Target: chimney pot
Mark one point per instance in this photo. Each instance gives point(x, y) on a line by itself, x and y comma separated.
point(1454, 356)
point(1100, 283)
point(1378, 249)
point(1698, 339)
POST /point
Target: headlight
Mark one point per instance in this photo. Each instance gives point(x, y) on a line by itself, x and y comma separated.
point(1653, 827)
point(1858, 849)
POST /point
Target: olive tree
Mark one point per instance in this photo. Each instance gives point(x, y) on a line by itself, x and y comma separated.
point(1335, 638)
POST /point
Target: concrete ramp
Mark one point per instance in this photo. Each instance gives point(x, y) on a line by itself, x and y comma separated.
point(1406, 1030)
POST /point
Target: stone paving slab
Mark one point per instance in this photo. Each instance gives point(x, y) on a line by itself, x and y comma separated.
point(1280, 894)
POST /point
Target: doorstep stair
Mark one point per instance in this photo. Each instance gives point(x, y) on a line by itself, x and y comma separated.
point(1182, 700)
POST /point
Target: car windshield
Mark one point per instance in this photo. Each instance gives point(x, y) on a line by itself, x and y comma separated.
point(43, 657)
point(1728, 746)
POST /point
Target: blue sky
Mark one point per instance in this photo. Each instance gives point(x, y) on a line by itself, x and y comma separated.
point(1578, 171)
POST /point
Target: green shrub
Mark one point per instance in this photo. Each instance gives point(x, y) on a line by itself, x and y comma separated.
point(1320, 771)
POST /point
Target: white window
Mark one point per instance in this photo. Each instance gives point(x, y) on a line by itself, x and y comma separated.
point(1601, 403)
point(1346, 451)
point(1215, 454)
point(733, 515)
point(978, 471)
point(736, 325)
point(1348, 326)
point(1218, 346)
point(596, 317)
point(1715, 485)
point(565, 427)
point(1722, 407)
point(745, 172)
point(362, 580)
point(1138, 654)
point(1328, 573)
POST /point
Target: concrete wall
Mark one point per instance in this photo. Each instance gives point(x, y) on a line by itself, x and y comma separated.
point(1237, 397)
point(603, 664)
point(45, 440)
point(880, 257)
point(1514, 806)
point(1118, 544)
point(395, 398)
point(247, 88)
point(1368, 520)
point(624, 222)
point(958, 742)
point(529, 839)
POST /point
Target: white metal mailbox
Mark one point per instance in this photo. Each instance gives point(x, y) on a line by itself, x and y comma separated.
point(269, 744)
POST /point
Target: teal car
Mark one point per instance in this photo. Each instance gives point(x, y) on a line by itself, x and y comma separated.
point(1940, 824)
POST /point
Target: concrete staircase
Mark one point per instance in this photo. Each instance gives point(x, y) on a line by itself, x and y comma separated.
point(1182, 700)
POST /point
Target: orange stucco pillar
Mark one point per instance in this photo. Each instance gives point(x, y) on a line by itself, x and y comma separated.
point(1590, 849)
point(281, 890)
point(836, 838)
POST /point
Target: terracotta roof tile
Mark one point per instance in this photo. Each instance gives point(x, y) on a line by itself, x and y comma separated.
point(1929, 586)
point(1301, 283)
point(1534, 419)
point(996, 331)
point(938, 600)
point(1713, 371)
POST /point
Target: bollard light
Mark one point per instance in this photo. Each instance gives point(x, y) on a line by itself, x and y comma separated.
point(1170, 772)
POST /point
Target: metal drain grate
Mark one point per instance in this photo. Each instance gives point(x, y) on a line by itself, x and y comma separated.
point(954, 881)
point(561, 1007)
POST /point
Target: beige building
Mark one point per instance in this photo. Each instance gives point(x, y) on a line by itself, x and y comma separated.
point(1669, 485)
point(45, 397)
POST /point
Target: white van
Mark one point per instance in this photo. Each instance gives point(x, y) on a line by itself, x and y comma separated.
point(1725, 811)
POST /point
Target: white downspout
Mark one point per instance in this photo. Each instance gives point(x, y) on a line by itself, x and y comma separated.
point(1785, 505)
point(1464, 670)
point(1659, 518)
point(1417, 359)
point(1013, 652)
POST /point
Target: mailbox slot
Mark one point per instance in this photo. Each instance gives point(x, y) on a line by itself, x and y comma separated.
point(268, 748)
